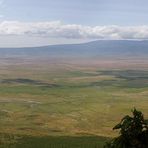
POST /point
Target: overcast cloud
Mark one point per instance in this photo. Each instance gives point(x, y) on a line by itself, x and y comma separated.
point(73, 31)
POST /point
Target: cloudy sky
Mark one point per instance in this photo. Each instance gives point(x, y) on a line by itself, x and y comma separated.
point(43, 22)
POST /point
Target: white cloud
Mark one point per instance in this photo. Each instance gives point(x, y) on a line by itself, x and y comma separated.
point(56, 29)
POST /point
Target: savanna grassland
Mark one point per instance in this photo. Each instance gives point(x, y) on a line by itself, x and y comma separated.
point(66, 99)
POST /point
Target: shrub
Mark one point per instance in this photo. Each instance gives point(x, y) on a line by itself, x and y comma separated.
point(133, 132)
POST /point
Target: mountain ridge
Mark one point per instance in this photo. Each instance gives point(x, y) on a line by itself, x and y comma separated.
point(113, 48)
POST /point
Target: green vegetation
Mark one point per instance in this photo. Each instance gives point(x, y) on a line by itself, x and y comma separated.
point(43, 100)
point(133, 132)
point(53, 142)
point(71, 102)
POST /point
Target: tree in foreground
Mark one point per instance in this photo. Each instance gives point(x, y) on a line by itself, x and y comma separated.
point(133, 132)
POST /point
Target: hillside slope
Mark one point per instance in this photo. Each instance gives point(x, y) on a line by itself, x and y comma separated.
point(105, 48)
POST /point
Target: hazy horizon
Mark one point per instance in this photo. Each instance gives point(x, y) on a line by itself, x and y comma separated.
point(69, 43)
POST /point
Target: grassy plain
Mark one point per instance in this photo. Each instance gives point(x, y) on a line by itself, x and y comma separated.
point(52, 98)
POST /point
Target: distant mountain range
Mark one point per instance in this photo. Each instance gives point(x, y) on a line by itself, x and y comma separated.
point(100, 48)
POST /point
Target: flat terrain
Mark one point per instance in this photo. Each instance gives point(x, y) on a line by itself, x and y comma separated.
point(52, 142)
point(42, 97)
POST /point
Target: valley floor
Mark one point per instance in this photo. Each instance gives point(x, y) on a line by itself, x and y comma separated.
point(52, 142)
point(40, 99)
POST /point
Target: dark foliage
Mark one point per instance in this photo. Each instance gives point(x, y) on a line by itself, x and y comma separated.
point(133, 132)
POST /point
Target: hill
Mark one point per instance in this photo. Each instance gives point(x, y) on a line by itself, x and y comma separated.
point(105, 48)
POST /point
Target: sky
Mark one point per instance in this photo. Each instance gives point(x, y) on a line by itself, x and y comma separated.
point(45, 22)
